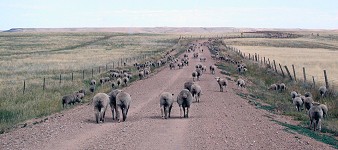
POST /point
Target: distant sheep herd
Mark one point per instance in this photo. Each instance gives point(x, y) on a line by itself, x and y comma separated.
point(120, 101)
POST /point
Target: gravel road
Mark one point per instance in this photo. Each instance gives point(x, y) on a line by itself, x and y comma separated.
point(222, 120)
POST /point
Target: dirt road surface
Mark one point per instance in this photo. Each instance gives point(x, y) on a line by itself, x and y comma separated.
point(222, 120)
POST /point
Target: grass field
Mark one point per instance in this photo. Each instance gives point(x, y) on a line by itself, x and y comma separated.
point(34, 56)
point(314, 53)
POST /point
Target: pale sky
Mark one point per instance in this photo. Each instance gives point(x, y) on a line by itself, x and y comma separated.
point(309, 14)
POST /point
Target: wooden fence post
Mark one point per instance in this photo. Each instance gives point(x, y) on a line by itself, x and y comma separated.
point(294, 72)
point(274, 63)
point(92, 72)
point(113, 65)
point(99, 69)
point(304, 74)
point(82, 74)
point(60, 79)
point(72, 76)
point(106, 67)
point(326, 81)
point(24, 86)
point(281, 69)
point(264, 60)
point(44, 83)
point(287, 70)
point(314, 83)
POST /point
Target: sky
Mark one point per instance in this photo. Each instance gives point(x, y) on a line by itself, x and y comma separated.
point(307, 14)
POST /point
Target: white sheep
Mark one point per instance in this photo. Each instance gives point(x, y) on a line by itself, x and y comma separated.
point(166, 103)
point(125, 80)
point(100, 101)
point(196, 91)
point(123, 101)
point(273, 87)
point(241, 83)
point(221, 83)
point(194, 75)
point(325, 109)
point(212, 69)
point(308, 102)
point(92, 82)
point(293, 94)
point(184, 100)
point(188, 84)
point(112, 102)
point(298, 102)
point(315, 114)
point(282, 87)
point(322, 91)
point(118, 81)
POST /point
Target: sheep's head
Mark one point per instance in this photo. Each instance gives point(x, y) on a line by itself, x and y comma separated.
point(217, 78)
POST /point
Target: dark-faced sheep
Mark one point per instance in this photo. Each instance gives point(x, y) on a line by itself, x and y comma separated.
point(221, 83)
point(212, 69)
point(102, 81)
point(100, 101)
point(125, 80)
point(325, 109)
point(196, 92)
point(92, 88)
point(199, 73)
point(188, 84)
point(293, 94)
point(194, 75)
point(308, 94)
point(112, 102)
point(298, 102)
point(241, 83)
point(70, 99)
point(184, 100)
point(308, 102)
point(123, 101)
point(273, 87)
point(141, 74)
point(322, 91)
point(118, 81)
point(92, 82)
point(166, 103)
point(282, 87)
point(315, 114)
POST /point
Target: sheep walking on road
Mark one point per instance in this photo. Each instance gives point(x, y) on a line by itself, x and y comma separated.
point(184, 100)
point(221, 83)
point(166, 103)
point(100, 101)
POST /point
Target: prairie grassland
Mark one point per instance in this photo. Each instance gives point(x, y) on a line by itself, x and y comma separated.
point(33, 56)
point(314, 55)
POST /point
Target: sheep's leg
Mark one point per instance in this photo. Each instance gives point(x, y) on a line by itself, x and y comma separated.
point(162, 111)
point(166, 111)
point(170, 110)
point(124, 113)
point(103, 114)
point(181, 111)
point(319, 124)
point(118, 114)
point(187, 112)
point(97, 116)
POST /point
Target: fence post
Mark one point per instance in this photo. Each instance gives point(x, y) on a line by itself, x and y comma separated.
point(113, 65)
point(274, 63)
point(72, 76)
point(281, 69)
point(249, 56)
point(60, 79)
point(92, 72)
point(287, 70)
point(82, 74)
point(304, 74)
point(44, 83)
point(294, 72)
point(106, 67)
point(99, 69)
point(314, 83)
point(264, 60)
point(24, 86)
point(326, 81)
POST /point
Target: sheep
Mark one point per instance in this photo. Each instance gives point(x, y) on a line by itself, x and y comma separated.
point(273, 87)
point(308, 102)
point(298, 102)
point(199, 73)
point(118, 81)
point(188, 84)
point(70, 99)
point(308, 94)
point(106, 79)
point(212, 69)
point(141, 74)
point(315, 115)
point(180, 65)
point(166, 103)
point(80, 95)
point(241, 83)
point(204, 68)
point(123, 101)
point(113, 85)
point(194, 75)
point(293, 94)
point(125, 80)
point(100, 101)
point(203, 59)
point(172, 66)
point(322, 91)
point(184, 100)
point(325, 110)
point(102, 81)
point(221, 83)
point(196, 92)
point(112, 102)
point(282, 87)
point(82, 91)
point(92, 88)
point(146, 72)
point(92, 82)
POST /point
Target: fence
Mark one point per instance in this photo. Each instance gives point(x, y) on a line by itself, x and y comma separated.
point(287, 72)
